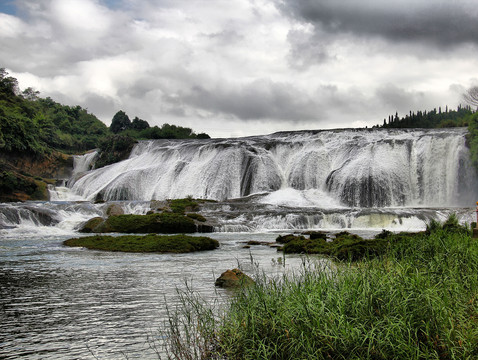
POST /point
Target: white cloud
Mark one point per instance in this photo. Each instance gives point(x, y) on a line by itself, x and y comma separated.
point(242, 67)
point(10, 26)
point(84, 16)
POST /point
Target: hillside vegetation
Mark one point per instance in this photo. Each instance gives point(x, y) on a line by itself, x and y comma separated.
point(36, 134)
point(38, 126)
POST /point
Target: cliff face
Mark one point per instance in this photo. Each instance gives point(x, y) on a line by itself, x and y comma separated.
point(26, 177)
point(54, 166)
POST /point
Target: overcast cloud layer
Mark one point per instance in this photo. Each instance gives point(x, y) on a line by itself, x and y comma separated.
point(244, 67)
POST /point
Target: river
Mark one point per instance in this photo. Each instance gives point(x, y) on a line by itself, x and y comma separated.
point(72, 303)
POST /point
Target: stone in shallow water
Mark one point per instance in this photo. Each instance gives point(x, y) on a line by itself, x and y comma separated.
point(233, 278)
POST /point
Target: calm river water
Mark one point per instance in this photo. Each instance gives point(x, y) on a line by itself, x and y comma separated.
point(71, 303)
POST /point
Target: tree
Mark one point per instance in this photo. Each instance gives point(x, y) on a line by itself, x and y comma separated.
point(120, 122)
point(8, 84)
point(139, 124)
point(30, 94)
point(471, 96)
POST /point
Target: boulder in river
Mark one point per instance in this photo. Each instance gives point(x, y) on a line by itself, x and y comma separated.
point(233, 278)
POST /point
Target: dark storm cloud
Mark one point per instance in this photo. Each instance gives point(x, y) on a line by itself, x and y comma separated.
point(261, 99)
point(438, 22)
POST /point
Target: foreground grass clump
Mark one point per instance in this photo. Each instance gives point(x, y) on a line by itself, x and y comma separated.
point(417, 300)
point(147, 243)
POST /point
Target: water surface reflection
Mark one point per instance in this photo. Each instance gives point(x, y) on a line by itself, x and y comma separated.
point(69, 303)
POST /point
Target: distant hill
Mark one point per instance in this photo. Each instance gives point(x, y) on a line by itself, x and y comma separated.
point(37, 126)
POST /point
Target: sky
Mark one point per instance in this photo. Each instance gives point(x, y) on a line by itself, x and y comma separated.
point(235, 68)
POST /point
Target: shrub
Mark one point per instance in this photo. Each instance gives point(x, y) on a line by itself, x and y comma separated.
point(113, 149)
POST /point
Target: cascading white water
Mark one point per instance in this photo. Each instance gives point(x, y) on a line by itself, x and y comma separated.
point(84, 163)
point(362, 168)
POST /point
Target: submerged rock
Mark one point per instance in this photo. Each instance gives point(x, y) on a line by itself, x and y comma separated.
point(233, 278)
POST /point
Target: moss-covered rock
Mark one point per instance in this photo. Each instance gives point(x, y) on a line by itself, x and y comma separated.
point(316, 235)
point(284, 239)
point(147, 243)
point(233, 278)
point(345, 246)
point(166, 223)
point(91, 225)
point(197, 217)
point(181, 206)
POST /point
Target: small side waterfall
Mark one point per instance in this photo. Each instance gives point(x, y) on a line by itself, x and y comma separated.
point(355, 168)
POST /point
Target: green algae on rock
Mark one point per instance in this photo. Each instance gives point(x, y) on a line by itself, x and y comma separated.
point(166, 223)
point(151, 243)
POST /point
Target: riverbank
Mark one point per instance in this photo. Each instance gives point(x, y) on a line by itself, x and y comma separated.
point(416, 300)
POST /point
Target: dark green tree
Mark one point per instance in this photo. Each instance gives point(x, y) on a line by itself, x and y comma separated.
point(139, 124)
point(30, 94)
point(120, 122)
point(8, 84)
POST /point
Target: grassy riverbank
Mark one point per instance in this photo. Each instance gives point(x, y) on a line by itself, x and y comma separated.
point(416, 300)
point(146, 243)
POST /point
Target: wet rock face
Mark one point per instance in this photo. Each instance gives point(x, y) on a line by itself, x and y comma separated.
point(54, 166)
point(114, 210)
point(233, 278)
point(92, 225)
point(25, 177)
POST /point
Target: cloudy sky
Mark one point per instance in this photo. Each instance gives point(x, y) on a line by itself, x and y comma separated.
point(244, 67)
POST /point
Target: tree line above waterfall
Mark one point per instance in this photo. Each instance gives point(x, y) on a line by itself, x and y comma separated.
point(461, 117)
point(140, 129)
point(38, 126)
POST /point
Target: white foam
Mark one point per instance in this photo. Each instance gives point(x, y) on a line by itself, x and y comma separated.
point(301, 198)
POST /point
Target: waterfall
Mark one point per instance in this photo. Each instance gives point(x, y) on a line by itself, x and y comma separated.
point(349, 168)
point(84, 163)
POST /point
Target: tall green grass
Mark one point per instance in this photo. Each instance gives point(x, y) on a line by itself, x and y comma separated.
point(418, 300)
